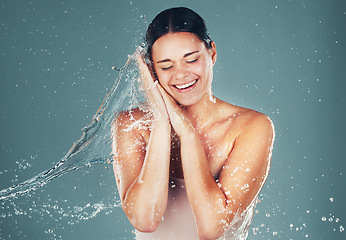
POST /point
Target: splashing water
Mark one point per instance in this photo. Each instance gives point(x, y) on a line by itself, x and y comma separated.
point(95, 147)
point(95, 144)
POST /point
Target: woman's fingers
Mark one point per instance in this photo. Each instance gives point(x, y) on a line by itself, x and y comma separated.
point(176, 114)
point(146, 75)
point(170, 102)
point(154, 96)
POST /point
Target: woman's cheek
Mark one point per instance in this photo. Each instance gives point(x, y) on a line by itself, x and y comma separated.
point(163, 78)
point(198, 69)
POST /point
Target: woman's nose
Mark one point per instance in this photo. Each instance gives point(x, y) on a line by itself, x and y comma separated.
point(181, 71)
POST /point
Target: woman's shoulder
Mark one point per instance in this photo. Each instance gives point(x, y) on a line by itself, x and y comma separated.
point(130, 115)
point(246, 119)
point(133, 119)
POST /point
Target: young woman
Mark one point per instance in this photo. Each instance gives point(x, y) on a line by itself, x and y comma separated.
point(195, 169)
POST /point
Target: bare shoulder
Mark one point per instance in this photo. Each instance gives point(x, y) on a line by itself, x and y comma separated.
point(249, 122)
point(253, 120)
point(129, 116)
point(133, 119)
point(129, 133)
point(255, 127)
point(132, 124)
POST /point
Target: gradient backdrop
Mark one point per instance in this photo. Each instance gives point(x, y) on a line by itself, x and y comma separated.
point(283, 58)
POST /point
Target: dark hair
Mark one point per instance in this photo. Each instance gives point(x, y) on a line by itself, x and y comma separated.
point(178, 19)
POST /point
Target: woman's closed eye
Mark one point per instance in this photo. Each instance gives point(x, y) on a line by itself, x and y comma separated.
point(167, 67)
point(192, 60)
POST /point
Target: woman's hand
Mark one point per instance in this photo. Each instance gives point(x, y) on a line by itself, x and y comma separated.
point(154, 96)
point(162, 104)
point(176, 113)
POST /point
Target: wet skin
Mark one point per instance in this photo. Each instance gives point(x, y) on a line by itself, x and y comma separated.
point(222, 151)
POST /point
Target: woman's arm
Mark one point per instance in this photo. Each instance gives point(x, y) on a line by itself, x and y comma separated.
point(215, 204)
point(142, 169)
point(142, 172)
point(243, 175)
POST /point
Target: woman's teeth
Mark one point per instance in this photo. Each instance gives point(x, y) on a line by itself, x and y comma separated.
point(186, 85)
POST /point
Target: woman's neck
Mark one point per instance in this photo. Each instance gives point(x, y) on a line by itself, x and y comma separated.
point(204, 112)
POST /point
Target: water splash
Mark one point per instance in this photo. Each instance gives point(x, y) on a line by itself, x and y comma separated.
point(95, 144)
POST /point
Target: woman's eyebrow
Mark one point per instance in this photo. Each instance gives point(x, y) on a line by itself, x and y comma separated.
point(186, 55)
point(164, 60)
point(190, 53)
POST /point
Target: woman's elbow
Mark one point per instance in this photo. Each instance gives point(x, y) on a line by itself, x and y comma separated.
point(144, 224)
point(214, 229)
point(141, 220)
point(210, 235)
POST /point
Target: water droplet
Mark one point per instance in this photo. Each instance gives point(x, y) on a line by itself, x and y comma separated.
point(115, 68)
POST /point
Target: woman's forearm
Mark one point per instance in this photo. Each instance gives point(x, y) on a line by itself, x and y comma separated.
point(206, 198)
point(146, 199)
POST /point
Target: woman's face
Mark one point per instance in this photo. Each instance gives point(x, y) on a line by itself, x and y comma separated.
point(184, 66)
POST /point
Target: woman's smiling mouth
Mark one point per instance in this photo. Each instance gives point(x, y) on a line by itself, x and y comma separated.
point(185, 86)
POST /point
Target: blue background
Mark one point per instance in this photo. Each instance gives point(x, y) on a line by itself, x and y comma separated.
point(283, 58)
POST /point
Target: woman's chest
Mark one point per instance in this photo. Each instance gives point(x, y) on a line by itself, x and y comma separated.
point(217, 143)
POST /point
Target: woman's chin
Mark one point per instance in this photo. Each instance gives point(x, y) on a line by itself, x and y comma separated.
point(188, 102)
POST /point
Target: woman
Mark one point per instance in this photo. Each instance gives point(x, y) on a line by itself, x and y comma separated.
point(195, 169)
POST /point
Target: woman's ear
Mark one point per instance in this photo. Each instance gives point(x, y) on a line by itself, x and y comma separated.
point(213, 52)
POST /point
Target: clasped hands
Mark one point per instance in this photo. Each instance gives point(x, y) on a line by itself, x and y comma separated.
point(163, 105)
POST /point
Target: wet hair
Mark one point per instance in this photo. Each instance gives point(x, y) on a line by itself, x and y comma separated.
point(179, 19)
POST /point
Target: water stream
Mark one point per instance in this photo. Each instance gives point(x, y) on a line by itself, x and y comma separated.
point(95, 144)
